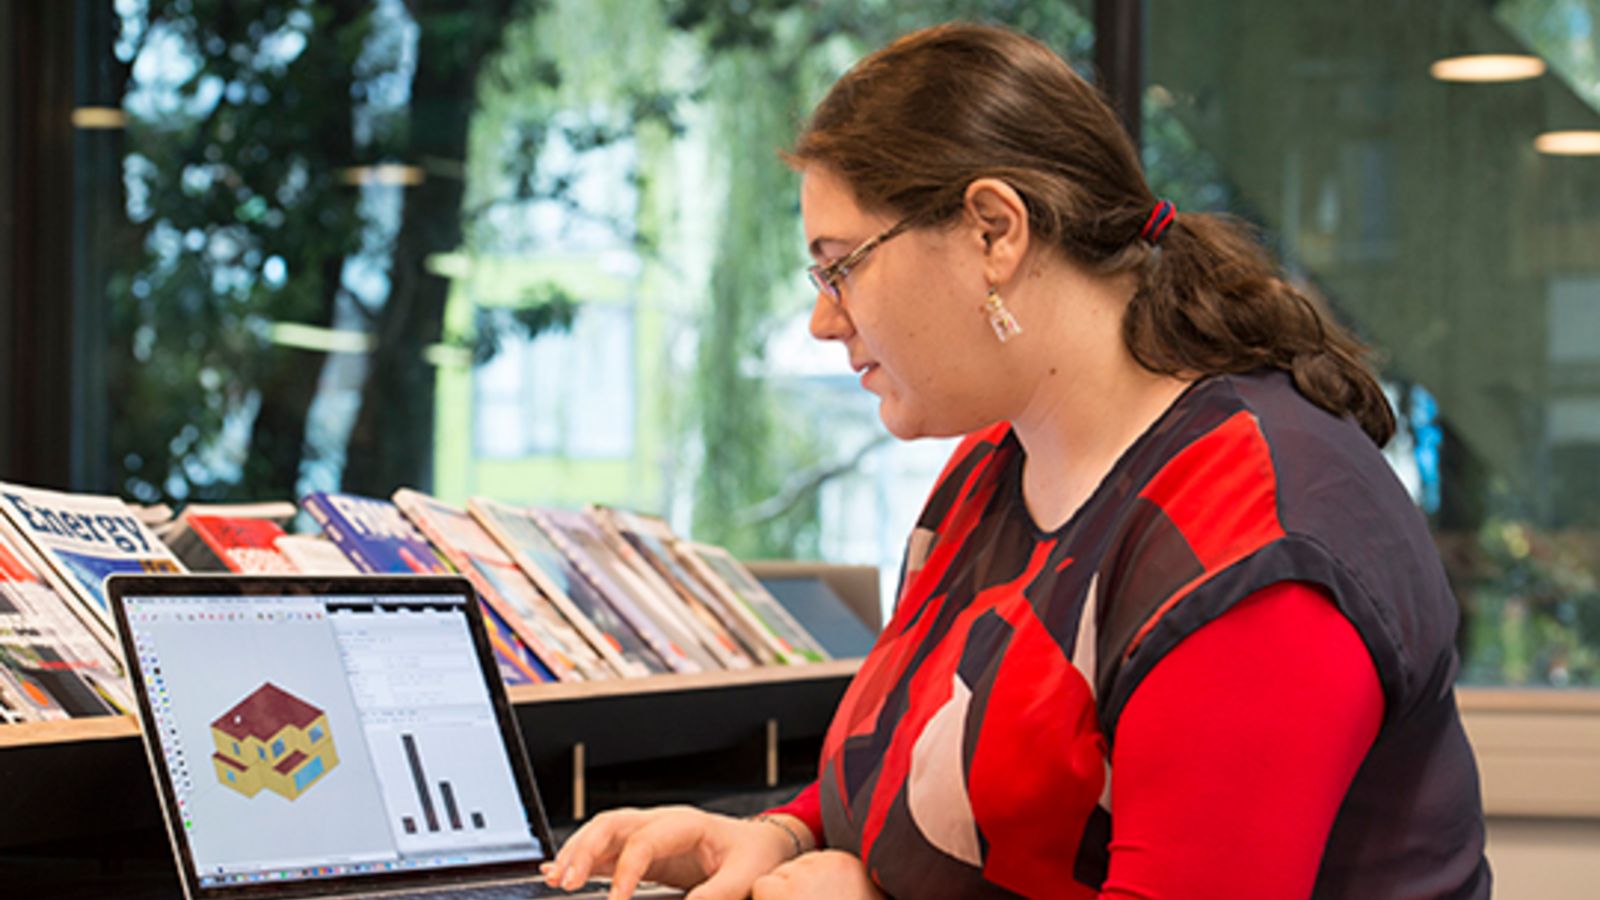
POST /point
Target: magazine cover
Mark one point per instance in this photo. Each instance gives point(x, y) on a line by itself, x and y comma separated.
point(722, 572)
point(314, 555)
point(498, 580)
point(174, 530)
point(376, 537)
point(547, 567)
point(51, 666)
point(584, 545)
point(75, 540)
point(241, 544)
point(706, 624)
point(652, 538)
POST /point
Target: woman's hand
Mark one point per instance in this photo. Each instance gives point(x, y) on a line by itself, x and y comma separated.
point(676, 845)
point(830, 874)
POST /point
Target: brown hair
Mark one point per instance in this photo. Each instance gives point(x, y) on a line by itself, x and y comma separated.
point(909, 127)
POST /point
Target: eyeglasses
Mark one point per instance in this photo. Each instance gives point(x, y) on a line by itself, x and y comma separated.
point(829, 279)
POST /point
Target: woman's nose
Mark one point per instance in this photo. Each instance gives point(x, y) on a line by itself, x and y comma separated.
point(829, 321)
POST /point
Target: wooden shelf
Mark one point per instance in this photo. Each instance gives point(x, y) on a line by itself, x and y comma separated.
point(1573, 701)
point(1538, 750)
point(87, 777)
point(100, 728)
point(699, 681)
point(66, 731)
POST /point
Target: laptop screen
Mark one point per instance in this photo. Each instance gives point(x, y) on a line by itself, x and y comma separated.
point(334, 730)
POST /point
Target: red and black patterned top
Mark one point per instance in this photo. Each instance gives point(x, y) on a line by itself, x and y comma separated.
point(971, 755)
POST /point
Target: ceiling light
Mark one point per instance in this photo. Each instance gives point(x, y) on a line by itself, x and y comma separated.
point(392, 174)
point(1568, 143)
point(99, 117)
point(1487, 67)
point(325, 340)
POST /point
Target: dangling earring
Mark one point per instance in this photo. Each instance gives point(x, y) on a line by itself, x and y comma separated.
point(1000, 319)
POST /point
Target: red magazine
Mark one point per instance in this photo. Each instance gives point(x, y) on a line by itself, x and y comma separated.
point(243, 544)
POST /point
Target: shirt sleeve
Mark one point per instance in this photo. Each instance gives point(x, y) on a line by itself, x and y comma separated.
point(807, 807)
point(1234, 754)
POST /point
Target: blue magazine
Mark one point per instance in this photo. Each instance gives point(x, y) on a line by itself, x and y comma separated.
point(378, 538)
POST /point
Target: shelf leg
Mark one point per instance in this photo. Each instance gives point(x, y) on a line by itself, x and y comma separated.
point(772, 753)
point(579, 788)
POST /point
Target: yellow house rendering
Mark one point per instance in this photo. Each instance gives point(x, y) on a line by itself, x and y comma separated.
point(272, 739)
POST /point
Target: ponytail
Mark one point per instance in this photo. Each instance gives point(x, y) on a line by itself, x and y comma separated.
point(1211, 301)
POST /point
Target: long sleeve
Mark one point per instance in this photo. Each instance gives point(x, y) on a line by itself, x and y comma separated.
point(1234, 754)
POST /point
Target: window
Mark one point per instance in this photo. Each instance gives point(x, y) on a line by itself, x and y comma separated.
point(570, 394)
point(309, 286)
point(277, 748)
point(316, 733)
point(308, 773)
point(1428, 215)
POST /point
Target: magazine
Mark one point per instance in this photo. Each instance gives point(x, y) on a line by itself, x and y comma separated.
point(498, 580)
point(75, 540)
point(653, 539)
point(314, 555)
point(639, 552)
point(373, 534)
point(376, 537)
point(545, 565)
point(51, 665)
point(721, 572)
point(584, 545)
point(239, 544)
point(174, 531)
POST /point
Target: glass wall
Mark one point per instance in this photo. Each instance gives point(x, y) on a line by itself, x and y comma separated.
point(1449, 210)
point(542, 252)
point(546, 252)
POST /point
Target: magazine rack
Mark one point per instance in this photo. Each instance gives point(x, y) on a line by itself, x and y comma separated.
point(662, 737)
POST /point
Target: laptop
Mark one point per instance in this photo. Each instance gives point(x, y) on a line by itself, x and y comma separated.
point(332, 736)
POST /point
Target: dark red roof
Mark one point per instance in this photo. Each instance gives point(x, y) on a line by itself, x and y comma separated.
point(230, 762)
point(264, 713)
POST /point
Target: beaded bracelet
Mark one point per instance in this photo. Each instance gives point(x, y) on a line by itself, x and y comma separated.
point(799, 847)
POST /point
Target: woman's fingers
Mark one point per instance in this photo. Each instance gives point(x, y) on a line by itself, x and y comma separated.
point(591, 849)
point(733, 881)
point(658, 848)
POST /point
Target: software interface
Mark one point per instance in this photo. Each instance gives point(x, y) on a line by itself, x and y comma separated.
point(315, 737)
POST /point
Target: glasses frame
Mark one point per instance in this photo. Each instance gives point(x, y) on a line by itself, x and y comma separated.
point(829, 279)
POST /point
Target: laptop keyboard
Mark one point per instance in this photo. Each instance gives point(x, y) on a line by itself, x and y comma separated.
point(508, 892)
point(523, 890)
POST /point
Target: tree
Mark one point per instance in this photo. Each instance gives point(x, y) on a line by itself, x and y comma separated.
point(236, 142)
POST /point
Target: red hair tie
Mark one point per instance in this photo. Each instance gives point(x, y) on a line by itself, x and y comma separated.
point(1161, 218)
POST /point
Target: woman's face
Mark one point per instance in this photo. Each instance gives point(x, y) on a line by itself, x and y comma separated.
point(912, 318)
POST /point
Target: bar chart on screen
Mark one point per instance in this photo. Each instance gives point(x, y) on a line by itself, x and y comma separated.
point(430, 728)
point(445, 787)
point(430, 814)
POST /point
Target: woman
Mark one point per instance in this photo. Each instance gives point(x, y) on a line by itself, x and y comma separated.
point(1168, 626)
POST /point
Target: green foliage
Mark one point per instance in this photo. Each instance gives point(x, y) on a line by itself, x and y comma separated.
point(236, 219)
point(546, 309)
point(1535, 599)
point(768, 61)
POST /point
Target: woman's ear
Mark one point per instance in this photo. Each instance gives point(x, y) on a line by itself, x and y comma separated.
point(999, 218)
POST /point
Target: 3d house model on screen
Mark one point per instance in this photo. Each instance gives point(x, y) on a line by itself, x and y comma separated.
point(272, 739)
